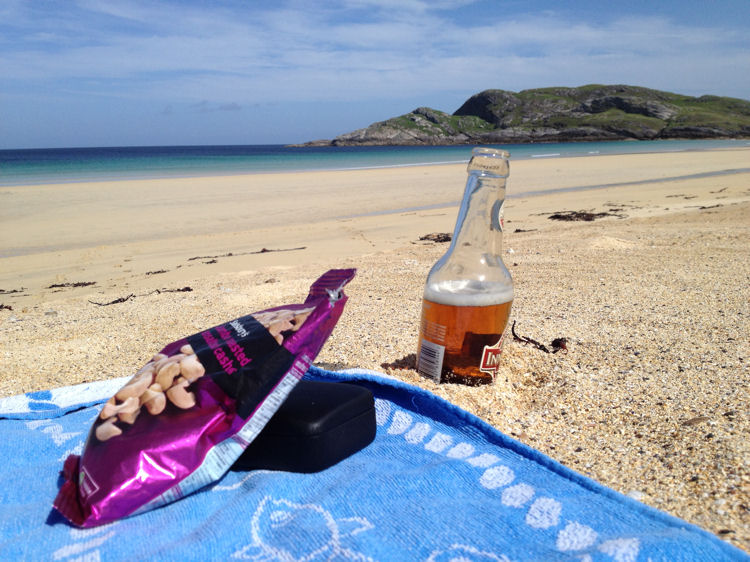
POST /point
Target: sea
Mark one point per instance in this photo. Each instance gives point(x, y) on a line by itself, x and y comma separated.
point(69, 165)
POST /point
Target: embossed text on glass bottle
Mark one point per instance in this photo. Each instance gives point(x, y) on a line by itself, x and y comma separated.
point(469, 291)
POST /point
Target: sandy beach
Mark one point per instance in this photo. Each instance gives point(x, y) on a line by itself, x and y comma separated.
point(650, 398)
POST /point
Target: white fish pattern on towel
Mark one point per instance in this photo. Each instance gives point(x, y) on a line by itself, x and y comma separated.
point(284, 530)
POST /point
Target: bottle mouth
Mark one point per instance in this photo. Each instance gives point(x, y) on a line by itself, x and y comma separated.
point(490, 152)
point(489, 162)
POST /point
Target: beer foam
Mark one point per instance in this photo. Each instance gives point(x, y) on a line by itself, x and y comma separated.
point(468, 293)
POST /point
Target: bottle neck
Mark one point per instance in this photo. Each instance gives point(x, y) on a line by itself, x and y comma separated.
point(479, 226)
point(473, 264)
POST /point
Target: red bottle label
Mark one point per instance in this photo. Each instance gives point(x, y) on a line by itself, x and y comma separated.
point(491, 358)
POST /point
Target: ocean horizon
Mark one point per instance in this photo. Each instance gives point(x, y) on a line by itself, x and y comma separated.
point(20, 167)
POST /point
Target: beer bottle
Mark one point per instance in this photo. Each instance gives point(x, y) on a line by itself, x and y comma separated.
point(469, 291)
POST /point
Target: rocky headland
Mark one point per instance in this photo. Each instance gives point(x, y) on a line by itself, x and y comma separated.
point(587, 113)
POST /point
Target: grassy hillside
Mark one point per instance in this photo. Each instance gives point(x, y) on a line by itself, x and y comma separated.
point(591, 112)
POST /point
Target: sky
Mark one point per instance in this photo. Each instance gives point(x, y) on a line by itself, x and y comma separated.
point(79, 73)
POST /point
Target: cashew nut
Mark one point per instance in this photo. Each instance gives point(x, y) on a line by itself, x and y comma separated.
point(107, 430)
point(191, 368)
point(154, 400)
point(180, 396)
point(135, 386)
point(167, 361)
point(279, 326)
point(111, 408)
point(128, 418)
point(166, 374)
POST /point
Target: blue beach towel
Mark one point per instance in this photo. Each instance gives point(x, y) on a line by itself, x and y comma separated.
point(437, 484)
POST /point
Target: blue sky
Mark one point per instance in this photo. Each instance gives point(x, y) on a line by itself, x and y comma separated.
point(131, 72)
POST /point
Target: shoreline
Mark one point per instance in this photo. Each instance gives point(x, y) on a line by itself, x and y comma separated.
point(218, 174)
point(649, 399)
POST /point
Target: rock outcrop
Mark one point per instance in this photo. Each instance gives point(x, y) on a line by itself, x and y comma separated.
point(587, 113)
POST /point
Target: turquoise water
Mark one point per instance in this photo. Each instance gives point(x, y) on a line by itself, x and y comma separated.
point(37, 166)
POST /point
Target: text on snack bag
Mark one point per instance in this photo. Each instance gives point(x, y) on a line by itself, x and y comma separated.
point(221, 356)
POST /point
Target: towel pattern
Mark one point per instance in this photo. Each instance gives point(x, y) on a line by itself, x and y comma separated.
point(437, 484)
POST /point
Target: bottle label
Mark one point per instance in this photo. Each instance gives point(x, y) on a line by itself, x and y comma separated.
point(491, 358)
point(430, 360)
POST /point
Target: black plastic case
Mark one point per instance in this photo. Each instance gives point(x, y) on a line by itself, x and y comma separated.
point(318, 425)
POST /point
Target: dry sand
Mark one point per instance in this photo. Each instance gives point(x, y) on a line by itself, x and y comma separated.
point(651, 397)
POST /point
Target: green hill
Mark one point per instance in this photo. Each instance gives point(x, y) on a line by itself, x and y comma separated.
point(587, 113)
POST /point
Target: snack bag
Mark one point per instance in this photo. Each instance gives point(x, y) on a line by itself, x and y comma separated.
point(186, 416)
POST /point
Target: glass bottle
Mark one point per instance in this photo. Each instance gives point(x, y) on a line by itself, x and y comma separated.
point(469, 291)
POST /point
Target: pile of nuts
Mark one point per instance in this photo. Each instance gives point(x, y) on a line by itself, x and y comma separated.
point(161, 379)
point(167, 378)
point(283, 320)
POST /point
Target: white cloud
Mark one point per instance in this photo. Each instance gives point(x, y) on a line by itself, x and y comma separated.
point(190, 47)
point(180, 54)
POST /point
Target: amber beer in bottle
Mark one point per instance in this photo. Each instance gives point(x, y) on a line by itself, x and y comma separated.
point(469, 291)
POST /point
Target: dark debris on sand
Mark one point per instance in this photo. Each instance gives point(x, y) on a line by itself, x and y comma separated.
point(437, 237)
point(582, 215)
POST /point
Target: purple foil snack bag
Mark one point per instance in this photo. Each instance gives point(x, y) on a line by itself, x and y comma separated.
point(180, 423)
